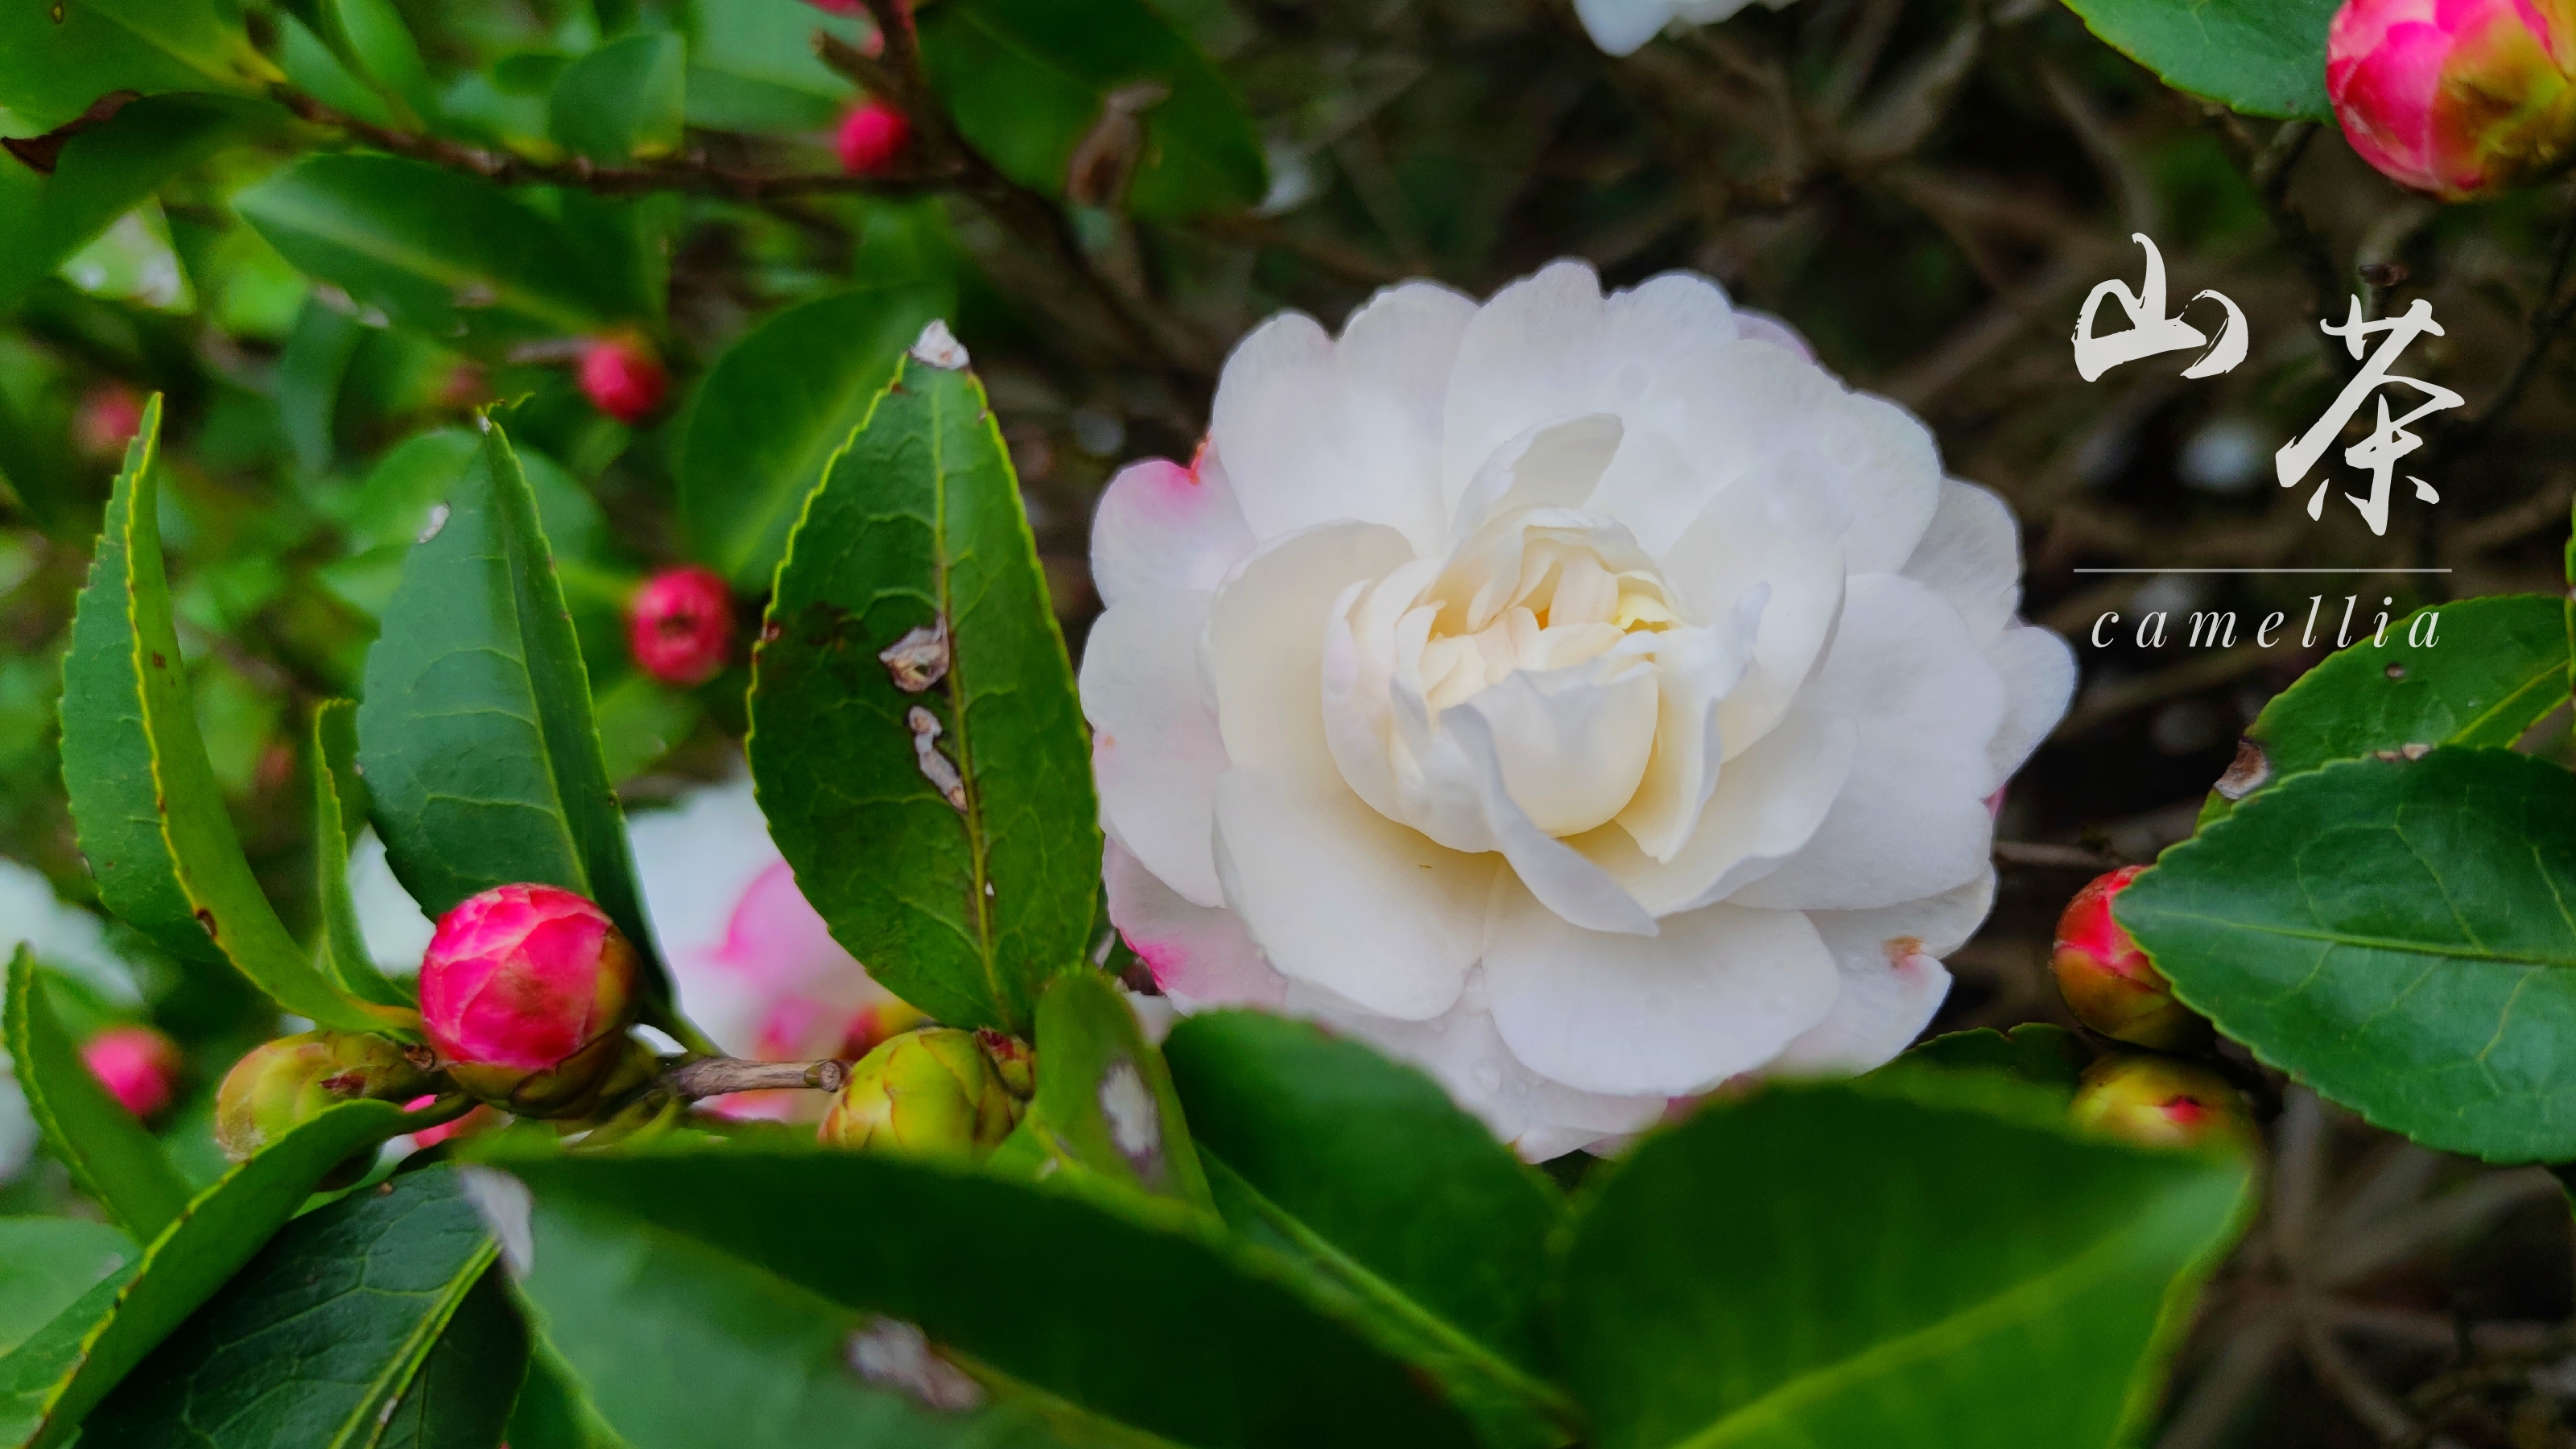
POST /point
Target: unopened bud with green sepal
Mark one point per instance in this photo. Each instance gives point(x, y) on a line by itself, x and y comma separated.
point(2108, 981)
point(281, 1085)
point(932, 1092)
point(2161, 1101)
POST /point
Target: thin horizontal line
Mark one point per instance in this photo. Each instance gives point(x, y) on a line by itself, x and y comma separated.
point(2260, 571)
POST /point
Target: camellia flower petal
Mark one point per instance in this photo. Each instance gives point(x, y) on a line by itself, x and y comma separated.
point(1586, 698)
point(1622, 27)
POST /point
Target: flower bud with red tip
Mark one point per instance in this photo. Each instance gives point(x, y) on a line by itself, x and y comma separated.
point(622, 378)
point(138, 1066)
point(2160, 1101)
point(2458, 98)
point(2108, 982)
point(526, 993)
point(280, 1085)
point(932, 1093)
point(871, 139)
point(680, 626)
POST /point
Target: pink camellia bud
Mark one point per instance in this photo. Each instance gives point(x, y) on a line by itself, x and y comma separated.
point(2108, 982)
point(110, 415)
point(680, 628)
point(2459, 98)
point(2160, 1101)
point(138, 1066)
point(622, 378)
point(870, 139)
point(526, 992)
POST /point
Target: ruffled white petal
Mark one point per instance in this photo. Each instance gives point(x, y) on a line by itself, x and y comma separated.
point(2038, 671)
point(1719, 991)
point(1344, 899)
point(1911, 820)
point(1892, 979)
point(1162, 526)
point(1264, 660)
point(1200, 957)
point(1313, 430)
point(1155, 751)
point(1766, 807)
point(1971, 556)
point(1622, 27)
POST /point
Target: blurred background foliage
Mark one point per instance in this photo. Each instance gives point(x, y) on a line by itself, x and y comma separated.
point(400, 212)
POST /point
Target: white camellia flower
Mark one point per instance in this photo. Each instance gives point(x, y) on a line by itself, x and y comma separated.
point(1622, 27)
point(1588, 699)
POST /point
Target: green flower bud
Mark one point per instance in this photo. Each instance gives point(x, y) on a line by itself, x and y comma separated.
point(2161, 1102)
point(932, 1092)
point(281, 1085)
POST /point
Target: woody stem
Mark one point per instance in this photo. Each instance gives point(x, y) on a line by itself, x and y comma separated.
point(696, 1077)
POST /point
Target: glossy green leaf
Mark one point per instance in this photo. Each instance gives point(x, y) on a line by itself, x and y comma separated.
point(475, 734)
point(109, 1154)
point(452, 256)
point(777, 407)
point(46, 1264)
point(554, 1411)
point(946, 834)
point(310, 370)
point(2396, 934)
point(379, 40)
point(462, 1396)
point(312, 67)
point(2036, 1052)
point(1948, 1264)
point(104, 171)
point(1366, 1172)
point(624, 100)
point(317, 1339)
point(669, 1344)
point(53, 1379)
point(339, 811)
point(57, 59)
point(144, 798)
point(2262, 57)
point(1129, 1310)
point(1030, 80)
point(2494, 667)
point(1105, 1114)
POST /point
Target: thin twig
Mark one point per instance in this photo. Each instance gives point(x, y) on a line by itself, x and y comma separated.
point(696, 1077)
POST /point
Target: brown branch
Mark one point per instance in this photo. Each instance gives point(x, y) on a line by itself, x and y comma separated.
point(690, 174)
point(696, 1077)
point(2548, 317)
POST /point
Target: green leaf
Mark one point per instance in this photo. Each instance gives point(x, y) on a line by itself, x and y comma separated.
point(1858, 1265)
point(623, 101)
point(57, 59)
point(446, 254)
point(149, 812)
point(1366, 1171)
point(1029, 81)
point(109, 1154)
point(2262, 57)
point(339, 809)
point(2494, 668)
point(752, 66)
point(554, 1411)
point(777, 407)
point(381, 43)
point(640, 720)
point(1105, 1113)
point(475, 735)
point(1124, 1308)
point(2397, 935)
point(103, 171)
point(462, 1397)
point(317, 1339)
point(46, 1264)
point(53, 1379)
point(312, 67)
point(310, 371)
point(2036, 1052)
point(963, 892)
point(667, 1343)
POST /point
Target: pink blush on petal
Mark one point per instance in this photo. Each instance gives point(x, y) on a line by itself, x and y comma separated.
point(776, 937)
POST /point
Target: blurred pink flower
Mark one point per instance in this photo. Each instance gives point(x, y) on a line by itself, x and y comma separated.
point(2458, 98)
point(138, 1066)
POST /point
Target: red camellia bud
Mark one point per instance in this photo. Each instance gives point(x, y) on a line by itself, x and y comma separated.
point(871, 138)
point(680, 628)
point(2459, 98)
point(622, 378)
point(2160, 1101)
point(138, 1066)
point(526, 992)
point(2108, 981)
